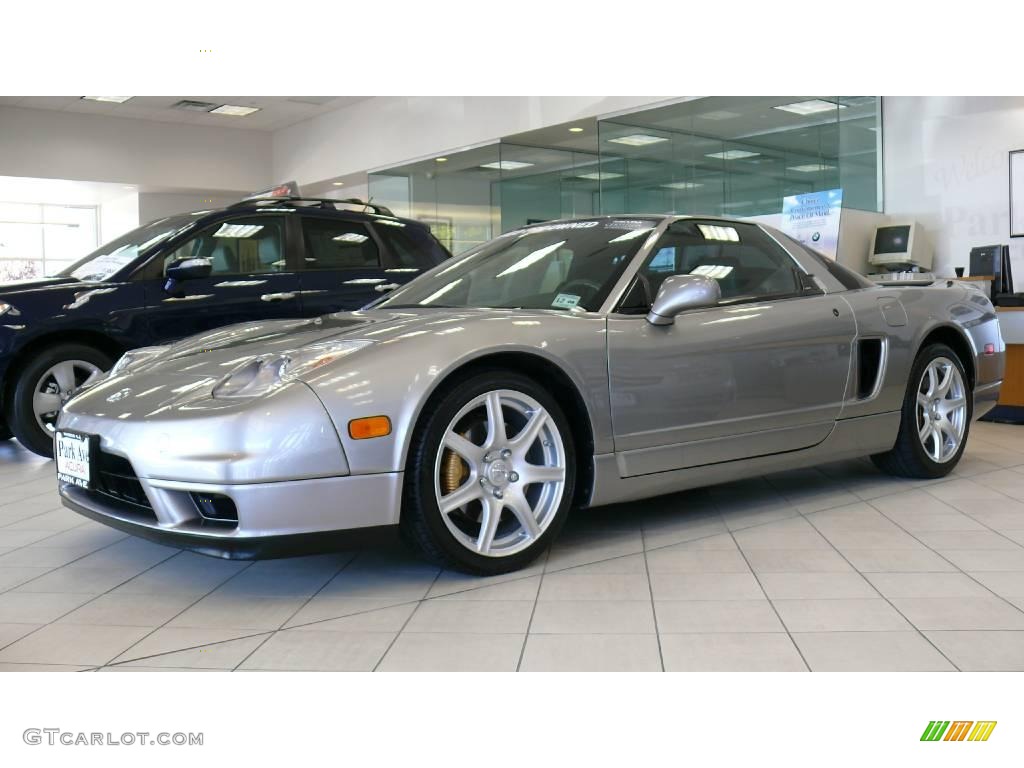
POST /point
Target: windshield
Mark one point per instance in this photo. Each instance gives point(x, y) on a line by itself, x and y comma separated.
point(117, 254)
point(568, 266)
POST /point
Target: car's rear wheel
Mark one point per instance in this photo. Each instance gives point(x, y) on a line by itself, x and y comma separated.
point(45, 383)
point(490, 474)
point(935, 420)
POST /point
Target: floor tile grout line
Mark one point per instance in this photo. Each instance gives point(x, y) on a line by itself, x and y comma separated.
point(93, 598)
point(939, 554)
point(775, 610)
point(199, 599)
point(650, 591)
point(405, 623)
point(69, 562)
point(533, 610)
point(294, 613)
point(887, 600)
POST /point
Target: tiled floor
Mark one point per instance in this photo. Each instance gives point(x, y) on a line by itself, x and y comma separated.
point(831, 568)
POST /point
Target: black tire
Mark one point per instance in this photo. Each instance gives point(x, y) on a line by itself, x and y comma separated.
point(421, 521)
point(908, 457)
point(20, 414)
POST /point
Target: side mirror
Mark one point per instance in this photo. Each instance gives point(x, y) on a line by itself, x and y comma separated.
point(188, 269)
point(681, 292)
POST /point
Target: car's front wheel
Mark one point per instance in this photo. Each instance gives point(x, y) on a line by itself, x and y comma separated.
point(44, 384)
point(490, 474)
point(935, 419)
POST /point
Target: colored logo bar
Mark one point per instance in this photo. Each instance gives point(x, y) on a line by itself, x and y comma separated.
point(958, 730)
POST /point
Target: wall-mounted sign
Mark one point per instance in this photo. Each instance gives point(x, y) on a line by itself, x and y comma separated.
point(813, 219)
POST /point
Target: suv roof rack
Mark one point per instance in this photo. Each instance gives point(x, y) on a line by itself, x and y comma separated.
point(320, 202)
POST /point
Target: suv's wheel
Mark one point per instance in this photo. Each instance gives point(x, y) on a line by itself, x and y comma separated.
point(490, 474)
point(45, 383)
point(935, 420)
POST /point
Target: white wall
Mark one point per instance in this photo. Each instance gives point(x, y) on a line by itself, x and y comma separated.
point(118, 215)
point(157, 205)
point(946, 165)
point(69, 145)
point(388, 130)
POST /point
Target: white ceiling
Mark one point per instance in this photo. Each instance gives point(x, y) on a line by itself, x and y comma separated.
point(275, 111)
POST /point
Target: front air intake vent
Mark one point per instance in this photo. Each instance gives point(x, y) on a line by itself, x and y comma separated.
point(194, 106)
point(869, 365)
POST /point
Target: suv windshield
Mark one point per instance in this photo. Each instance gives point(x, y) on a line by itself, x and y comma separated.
point(117, 254)
point(564, 266)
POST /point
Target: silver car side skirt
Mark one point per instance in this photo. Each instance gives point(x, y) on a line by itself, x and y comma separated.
point(851, 438)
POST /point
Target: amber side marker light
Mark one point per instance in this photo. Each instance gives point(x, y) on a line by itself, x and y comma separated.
point(371, 426)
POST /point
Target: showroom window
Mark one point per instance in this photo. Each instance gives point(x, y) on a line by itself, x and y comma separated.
point(37, 240)
point(744, 262)
point(339, 245)
point(238, 246)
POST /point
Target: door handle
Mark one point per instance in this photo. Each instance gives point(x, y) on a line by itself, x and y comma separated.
point(385, 288)
point(278, 296)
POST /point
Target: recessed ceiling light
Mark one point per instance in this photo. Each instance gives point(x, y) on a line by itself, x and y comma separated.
point(683, 185)
point(111, 99)
point(505, 165)
point(810, 107)
point(637, 140)
point(193, 106)
point(733, 154)
point(576, 129)
point(441, 160)
point(234, 111)
point(338, 183)
point(600, 176)
point(811, 168)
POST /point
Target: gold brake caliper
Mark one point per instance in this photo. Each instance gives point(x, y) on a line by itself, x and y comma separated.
point(454, 470)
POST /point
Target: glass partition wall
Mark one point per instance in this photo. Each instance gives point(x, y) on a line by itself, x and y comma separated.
point(734, 156)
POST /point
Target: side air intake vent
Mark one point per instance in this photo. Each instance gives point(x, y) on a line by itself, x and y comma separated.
point(869, 365)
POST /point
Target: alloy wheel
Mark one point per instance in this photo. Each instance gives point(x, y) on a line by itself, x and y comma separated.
point(500, 475)
point(941, 410)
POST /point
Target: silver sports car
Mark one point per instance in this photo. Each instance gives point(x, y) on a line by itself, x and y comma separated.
point(565, 365)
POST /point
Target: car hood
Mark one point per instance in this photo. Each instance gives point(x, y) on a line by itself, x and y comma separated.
point(219, 351)
point(16, 287)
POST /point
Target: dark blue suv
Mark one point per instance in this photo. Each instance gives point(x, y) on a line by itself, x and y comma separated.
point(263, 258)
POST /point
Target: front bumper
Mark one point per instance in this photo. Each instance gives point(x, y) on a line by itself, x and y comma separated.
point(274, 519)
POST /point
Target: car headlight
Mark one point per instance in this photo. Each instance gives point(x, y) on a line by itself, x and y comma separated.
point(7, 309)
point(265, 374)
point(136, 357)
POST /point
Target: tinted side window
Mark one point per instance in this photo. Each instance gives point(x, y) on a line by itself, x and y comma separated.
point(334, 244)
point(413, 247)
point(744, 261)
point(239, 246)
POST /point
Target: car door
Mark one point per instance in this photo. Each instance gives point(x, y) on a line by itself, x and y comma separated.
point(251, 278)
point(764, 372)
point(342, 264)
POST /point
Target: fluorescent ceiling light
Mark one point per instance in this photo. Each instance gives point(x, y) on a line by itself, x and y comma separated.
point(720, 114)
point(237, 230)
point(637, 140)
point(733, 154)
point(231, 109)
point(719, 232)
point(111, 99)
point(350, 237)
point(810, 107)
point(714, 271)
point(506, 165)
point(441, 160)
point(338, 183)
point(600, 176)
point(811, 168)
point(576, 129)
point(683, 185)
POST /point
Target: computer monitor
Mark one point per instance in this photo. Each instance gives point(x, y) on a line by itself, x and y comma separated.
point(900, 246)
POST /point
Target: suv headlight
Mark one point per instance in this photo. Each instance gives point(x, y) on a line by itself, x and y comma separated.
point(265, 374)
point(136, 357)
